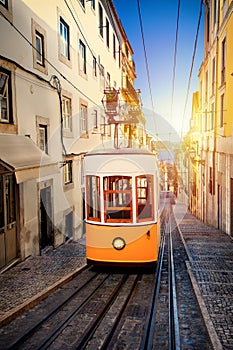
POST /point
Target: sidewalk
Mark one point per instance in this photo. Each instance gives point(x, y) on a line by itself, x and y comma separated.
point(210, 267)
point(32, 280)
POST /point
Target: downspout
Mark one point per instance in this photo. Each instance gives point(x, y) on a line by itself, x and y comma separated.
point(56, 84)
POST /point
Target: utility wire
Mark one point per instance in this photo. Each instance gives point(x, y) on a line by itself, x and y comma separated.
point(175, 54)
point(145, 54)
point(191, 69)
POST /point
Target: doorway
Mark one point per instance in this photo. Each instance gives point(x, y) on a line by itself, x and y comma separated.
point(46, 222)
point(219, 207)
point(8, 227)
point(231, 208)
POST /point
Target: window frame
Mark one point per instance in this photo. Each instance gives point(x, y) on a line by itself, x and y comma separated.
point(114, 46)
point(39, 32)
point(82, 58)
point(222, 103)
point(223, 61)
point(90, 197)
point(6, 9)
point(94, 67)
point(107, 33)
point(68, 172)
point(7, 95)
point(43, 141)
point(67, 114)
point(83, 119)
point(64, 40)
point(145, 189)
point(117, 195)
point(101, 21)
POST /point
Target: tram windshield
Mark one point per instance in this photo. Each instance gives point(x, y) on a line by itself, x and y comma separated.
point(118, 198)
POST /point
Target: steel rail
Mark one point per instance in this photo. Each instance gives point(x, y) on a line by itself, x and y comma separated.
point(174, 332)
point(147, 339)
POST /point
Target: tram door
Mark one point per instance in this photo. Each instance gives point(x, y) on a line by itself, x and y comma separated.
point(8, 239)
point(46, 225)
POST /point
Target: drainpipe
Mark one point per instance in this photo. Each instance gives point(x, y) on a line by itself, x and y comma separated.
point(56, 84)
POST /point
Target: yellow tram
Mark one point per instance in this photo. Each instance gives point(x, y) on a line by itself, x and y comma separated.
point(122, 207)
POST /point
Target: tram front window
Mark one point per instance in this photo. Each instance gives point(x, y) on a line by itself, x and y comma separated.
point(118, 198)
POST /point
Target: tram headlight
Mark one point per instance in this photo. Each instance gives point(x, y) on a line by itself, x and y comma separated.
point(118, 243)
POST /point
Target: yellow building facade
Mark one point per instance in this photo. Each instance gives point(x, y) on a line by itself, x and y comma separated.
point(212, 114)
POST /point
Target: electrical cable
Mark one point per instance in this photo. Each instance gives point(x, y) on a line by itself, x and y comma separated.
point(145, 55)
point(191, 69)
point(175, 54)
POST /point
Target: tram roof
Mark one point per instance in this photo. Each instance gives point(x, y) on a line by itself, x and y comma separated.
point(119, 151)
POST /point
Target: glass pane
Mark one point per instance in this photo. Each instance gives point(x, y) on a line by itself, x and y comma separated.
point(144, 197)
point(118, 196)
point(93, 200)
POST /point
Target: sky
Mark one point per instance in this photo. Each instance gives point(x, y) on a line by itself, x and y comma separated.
point(159, 19)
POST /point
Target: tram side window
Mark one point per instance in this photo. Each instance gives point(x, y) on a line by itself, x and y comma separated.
point(93, 198)
point(118, 198)
point(144, 193)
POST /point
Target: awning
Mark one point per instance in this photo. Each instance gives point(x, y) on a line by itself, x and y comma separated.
point(21, 155)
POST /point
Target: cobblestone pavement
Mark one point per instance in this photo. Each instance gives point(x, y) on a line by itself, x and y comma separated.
point(210, 268)
point(36, 277)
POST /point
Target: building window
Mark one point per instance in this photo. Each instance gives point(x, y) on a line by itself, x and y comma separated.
point(107, 32)
point(223, 61)
point(43, 138)
point(103, 124)
point(206, 86)
point(83, 119)
point(95, 118)
point(5, 97)
point(108, 79)
point(102, 82)
point(213, 75)
point(221, 110)
point(67, 171)
point(119, 57)
point(114, 45)
point(6, 9)
point(215, 11)
point(93, 4)
point(66, 113)
point(39, 48)
point(82, 2)
point(4, 3)
point(64, 39)
point(101, 29)
point(82, 57)
point(94, 67)
point(212, 122)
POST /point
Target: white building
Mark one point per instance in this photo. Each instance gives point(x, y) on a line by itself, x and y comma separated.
point(56, 59)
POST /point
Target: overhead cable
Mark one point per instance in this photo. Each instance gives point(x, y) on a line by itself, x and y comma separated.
point(175, 54)
point(145, 54)
point(193, 58)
